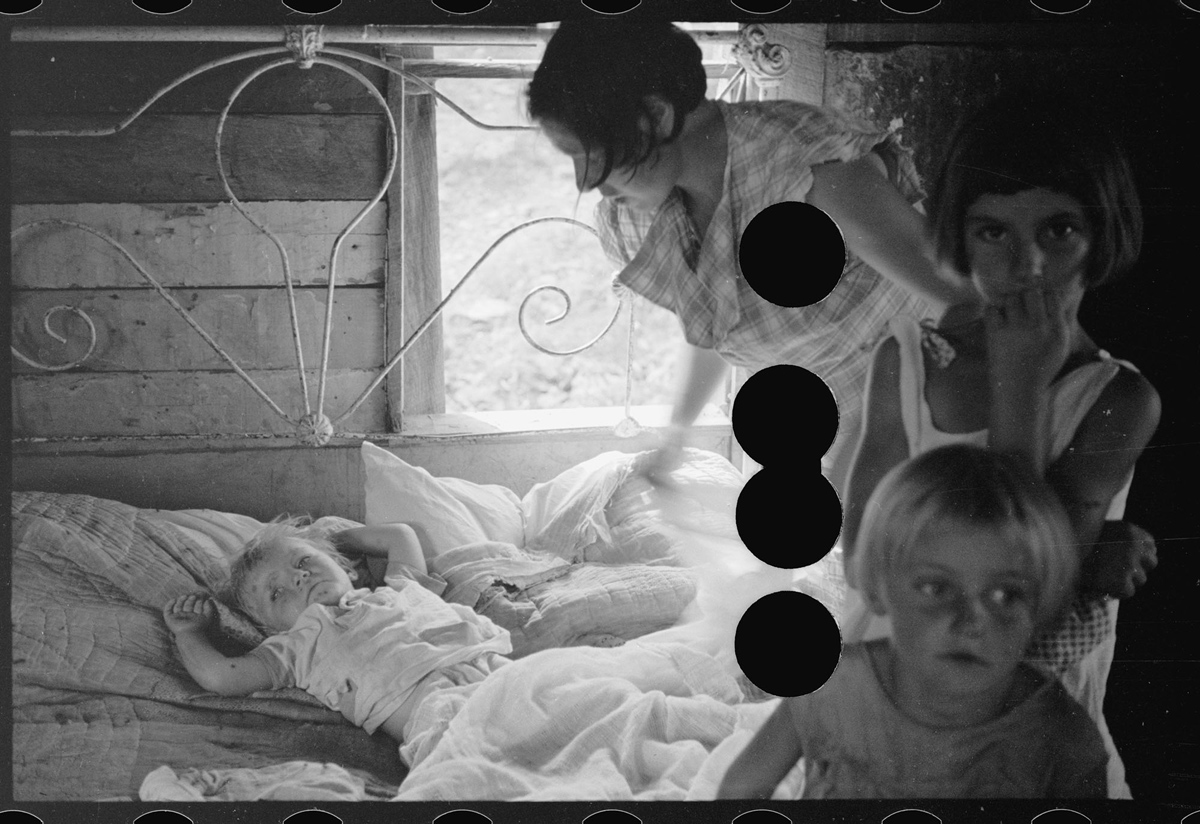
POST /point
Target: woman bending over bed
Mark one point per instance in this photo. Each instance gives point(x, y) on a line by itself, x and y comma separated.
point(370, 655)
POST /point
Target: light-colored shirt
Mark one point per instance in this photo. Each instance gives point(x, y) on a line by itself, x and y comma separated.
point(366, 656)
point(858, 744)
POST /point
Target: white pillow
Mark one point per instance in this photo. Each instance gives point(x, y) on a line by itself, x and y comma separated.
point(445, 512)
point(566, 515)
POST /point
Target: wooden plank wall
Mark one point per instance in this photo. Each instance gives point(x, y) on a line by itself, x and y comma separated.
point(305, 150)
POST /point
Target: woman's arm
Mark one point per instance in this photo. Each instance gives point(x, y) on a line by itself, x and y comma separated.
point(882, 445)
point(883, 229)
point(396, 541)
point(703, 371)
point(187, 617)
point(766, 760)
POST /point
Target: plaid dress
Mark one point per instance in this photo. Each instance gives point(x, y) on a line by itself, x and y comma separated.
point(772, 147)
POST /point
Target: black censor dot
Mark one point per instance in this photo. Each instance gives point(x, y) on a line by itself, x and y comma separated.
point(788, 519)
point(312, 6)
point(911, 817)
point(157, 817)
point(762, 817)
point(313, 816)
point(1060, 6)
point(1060, 816)
point(761, 6)
point(15, 7)
point(785, 414)
point(812, 650)
point(788, 515)
point(462, 6)
point(462, 817)
point(611, 6)
point(162, 6)
point(792, 254)
point(20, 817)
point(911, 6)
point(612, 817)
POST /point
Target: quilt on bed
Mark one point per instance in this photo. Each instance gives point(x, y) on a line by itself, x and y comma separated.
point(100, 699)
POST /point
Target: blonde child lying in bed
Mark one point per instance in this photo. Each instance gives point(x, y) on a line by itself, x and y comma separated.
point(370, 655)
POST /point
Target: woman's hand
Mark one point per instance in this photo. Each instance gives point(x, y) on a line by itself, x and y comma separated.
point(657, 467)
point(1028, 339)
point(189, 614)
point(1120, 561)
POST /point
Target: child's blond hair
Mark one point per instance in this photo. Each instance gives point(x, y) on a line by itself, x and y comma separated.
point(261, 543)
point(976, 488)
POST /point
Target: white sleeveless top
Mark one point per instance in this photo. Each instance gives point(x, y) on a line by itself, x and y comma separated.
point(1071, 397)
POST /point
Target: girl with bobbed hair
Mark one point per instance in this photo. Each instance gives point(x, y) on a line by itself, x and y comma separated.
point(683, 175)
point(1034, 207)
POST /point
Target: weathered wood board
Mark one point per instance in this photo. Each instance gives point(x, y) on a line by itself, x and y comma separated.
point(180, 403)
point(137, 331)
point(197, 244)
point(172, 159)
point(118, 78)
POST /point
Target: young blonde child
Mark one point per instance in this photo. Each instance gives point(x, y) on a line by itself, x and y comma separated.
point(370, 655)
point(1036, 205)
point(970, 555)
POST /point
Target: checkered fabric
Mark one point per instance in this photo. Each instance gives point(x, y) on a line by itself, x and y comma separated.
point(772, 148)
point(1088, 624)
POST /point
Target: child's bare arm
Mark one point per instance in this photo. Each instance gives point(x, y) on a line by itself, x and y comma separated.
point(1028, 340)
point(1093, 469)
point(1120, 561)
point(882, 445)
point(397, 542)
point(187, 617)
point(767, 759)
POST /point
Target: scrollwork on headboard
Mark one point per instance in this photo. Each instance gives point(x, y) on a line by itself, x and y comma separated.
point(53, 310)
point(312, 425)
point(304, 47)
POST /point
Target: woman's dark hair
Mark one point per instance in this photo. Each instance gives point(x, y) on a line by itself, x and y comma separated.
point(595, 76)
point(1039, 138)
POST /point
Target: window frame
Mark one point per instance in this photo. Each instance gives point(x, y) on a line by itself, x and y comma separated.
point(416, 386)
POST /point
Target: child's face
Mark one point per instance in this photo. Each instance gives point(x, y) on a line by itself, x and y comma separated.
point(962, 611)
point(1036, 238)
point(291, 576)
point(643, 188)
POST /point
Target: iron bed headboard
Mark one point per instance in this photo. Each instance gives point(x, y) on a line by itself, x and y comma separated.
point(306, 46)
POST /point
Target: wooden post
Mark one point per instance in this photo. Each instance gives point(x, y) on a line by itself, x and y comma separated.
point(805, 77)
point(414, 273)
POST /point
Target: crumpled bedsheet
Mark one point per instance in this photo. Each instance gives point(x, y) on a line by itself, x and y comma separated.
point(644, 722)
